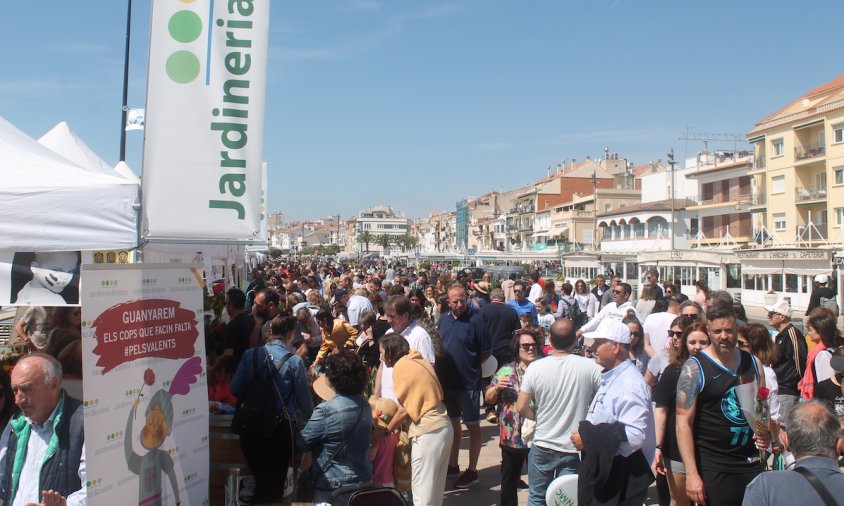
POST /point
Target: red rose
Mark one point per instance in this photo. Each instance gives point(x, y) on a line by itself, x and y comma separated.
point(763, 393)
point(149, 377)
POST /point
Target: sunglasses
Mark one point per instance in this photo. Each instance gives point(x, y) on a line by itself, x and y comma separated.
point(637, 334)
point(517, 291)
point(690, 317)
point(771, 314)
point(677, 334)
point(618, 291)
point(742, 344)
point(528, 346)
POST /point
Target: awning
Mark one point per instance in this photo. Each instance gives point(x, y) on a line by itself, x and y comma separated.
point(758, 138)
point(810, 124)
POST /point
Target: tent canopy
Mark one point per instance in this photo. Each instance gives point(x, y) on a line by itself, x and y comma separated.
point(48, 203)
point(63, 140)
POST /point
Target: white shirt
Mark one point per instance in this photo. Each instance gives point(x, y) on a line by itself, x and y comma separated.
point(419, 340)
point(623, 397)
point(535, 292)
point(36, 448)
point(656, 327)
point(612, 311)
point(357, 305)
point(561, 387)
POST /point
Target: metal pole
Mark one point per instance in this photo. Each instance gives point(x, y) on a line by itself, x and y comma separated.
point(124, 109)
point(672, 229)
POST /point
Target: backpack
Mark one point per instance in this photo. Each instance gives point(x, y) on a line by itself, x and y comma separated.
point(255, 413)
point(830, 304)
point(575, 314)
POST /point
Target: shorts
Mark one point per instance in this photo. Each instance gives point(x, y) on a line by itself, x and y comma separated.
point(677, 466)
point(465, 404)
point(726, 488)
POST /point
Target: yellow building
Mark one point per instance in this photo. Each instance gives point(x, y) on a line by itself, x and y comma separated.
point(798, 171)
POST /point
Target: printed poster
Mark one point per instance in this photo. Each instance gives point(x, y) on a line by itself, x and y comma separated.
point(146, 395)
point(42, 278)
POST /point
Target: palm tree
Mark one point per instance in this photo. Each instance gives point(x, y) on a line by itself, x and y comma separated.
point(384, 240)
point(407, 241)
point(365, 238)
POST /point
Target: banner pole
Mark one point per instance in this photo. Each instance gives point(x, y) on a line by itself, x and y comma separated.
point(124, 109)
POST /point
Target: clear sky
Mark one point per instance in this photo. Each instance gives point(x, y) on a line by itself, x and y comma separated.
point(419, 104)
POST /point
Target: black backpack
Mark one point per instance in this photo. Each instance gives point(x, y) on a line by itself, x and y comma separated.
point(575, 314)
point(255, 413)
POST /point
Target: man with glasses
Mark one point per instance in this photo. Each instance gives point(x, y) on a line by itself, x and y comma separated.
point(521, 304)
point(622, 410)
point(600, 289)
point(560, 387)
point(791, 356)
point(616, 310)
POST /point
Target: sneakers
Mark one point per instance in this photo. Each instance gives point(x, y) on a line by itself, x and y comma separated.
point(491, 417)
point(467, 479)
point(453, 471)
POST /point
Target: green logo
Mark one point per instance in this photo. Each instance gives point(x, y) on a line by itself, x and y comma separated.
point(185, 27)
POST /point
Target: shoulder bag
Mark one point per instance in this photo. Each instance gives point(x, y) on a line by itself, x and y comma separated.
point(255, 414)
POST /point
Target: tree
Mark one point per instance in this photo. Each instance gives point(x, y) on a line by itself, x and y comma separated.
point(384, 240)
point(407, 242)
point(275, 252)
point(365, 238)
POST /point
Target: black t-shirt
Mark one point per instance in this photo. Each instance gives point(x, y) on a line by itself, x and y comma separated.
point(236, 335)
point(723, 436)
point(828, 391)
point(501, 321)
point(665, 395)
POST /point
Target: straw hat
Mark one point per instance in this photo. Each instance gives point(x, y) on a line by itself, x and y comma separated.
point(323, 388)
point(383, 412)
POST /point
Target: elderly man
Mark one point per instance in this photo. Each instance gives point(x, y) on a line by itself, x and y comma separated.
point(42, 450)
point(600, 288)
point(814, 439)
point(720, 449)
point(620, 418)
point(355, 305)
point(791, 355)
point(399, 311)
point(466, 342)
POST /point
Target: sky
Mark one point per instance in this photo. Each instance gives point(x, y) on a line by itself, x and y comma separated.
point(421, 104)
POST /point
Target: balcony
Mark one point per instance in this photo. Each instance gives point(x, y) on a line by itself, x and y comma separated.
point(760, 199)
point(759, 162)
point(813, 233)
point(721, 198)
point(809, 193)
point(807, 152)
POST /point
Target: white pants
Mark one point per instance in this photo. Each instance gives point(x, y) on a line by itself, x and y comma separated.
point(429, 462)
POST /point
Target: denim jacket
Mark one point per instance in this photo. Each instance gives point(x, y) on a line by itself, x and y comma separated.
point(291, 379)
point(332, 423)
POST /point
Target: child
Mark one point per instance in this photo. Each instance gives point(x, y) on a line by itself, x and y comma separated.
point(545, 318)
point(335, 333)
point(221, 399)
point(525, 320)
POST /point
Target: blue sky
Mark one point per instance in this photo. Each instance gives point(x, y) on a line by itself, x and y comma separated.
point(420, 104)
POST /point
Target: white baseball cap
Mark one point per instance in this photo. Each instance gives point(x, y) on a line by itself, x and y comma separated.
point(822, 279)
point(611, 330)
point(780, 307)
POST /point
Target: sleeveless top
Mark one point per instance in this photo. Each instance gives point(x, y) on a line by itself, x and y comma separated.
point(723, 437)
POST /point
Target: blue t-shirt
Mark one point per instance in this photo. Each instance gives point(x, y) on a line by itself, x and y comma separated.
point(524, 308)
point(465, 339)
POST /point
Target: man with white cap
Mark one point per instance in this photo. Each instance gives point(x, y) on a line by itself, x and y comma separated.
point(822, 295)
point(623, 400)
point(791, 356)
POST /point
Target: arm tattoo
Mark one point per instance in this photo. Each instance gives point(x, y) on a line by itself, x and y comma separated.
point(688, 386)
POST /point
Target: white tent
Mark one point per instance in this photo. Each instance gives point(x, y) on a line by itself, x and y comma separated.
point(64, 141)
point(49, 203)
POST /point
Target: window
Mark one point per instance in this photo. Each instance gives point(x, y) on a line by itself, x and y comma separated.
point(777, 146)
point(839, 175)
point(777, 184)
point(839, 216)
point(779, 221)
point(838, 133)
point(607, 207)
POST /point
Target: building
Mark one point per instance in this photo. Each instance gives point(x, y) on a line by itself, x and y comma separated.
point(797, 197)
point(378, 229)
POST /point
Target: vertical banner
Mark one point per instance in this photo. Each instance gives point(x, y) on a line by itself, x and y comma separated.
point(146, 394)
point(204, 124)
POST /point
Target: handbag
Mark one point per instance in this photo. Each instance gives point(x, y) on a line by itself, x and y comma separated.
point(255, 415)
point(306, 484)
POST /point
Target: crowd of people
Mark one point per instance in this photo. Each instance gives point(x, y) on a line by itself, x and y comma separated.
point(377, 369)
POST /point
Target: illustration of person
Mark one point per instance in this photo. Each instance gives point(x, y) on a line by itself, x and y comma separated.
point(123, 257)
point(98, 257)
point(111, 257)
point(159, 424)
point(52, 272)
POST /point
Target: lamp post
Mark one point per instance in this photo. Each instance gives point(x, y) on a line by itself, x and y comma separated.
point(124, 108)
point(594, 211)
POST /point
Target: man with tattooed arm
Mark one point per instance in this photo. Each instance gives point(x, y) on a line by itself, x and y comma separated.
point(720, 450)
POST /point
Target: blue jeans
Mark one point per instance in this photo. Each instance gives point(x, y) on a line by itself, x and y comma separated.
point(544, 466)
